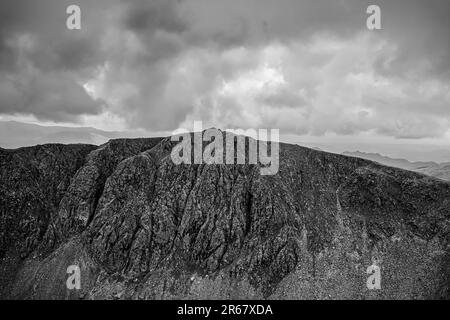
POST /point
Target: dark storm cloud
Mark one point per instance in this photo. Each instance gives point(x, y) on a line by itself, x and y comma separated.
point(52, 96)
point(45, 22)
point(158, 63)
point(149, 16)
point(421, 30)
point(42, 64)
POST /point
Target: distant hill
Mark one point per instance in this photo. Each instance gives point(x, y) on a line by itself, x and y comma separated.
point(14, 134)
point(438, 170)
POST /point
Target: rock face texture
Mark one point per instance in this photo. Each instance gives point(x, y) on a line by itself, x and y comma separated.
point(141, 227)
point(33, 182)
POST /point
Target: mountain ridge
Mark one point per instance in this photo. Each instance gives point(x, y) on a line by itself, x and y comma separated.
point(431, 168)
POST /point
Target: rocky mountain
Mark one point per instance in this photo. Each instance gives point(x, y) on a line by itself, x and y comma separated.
point(438, 170)
point(140, 227)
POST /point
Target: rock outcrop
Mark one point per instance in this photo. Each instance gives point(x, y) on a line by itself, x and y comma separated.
point(142, 227)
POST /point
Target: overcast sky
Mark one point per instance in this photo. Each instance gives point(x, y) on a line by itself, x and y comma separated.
point(310, 68)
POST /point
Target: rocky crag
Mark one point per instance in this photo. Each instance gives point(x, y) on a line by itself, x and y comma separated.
point(140, 227)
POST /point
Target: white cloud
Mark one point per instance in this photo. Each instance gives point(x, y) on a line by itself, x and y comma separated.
point(324, 85)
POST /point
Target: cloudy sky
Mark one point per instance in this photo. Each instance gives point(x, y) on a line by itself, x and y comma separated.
point(308, 67)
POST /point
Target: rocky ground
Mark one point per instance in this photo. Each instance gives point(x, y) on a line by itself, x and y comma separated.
point(141, 227)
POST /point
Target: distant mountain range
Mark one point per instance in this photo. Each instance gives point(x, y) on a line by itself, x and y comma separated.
point(14, 134)
point(438, 170)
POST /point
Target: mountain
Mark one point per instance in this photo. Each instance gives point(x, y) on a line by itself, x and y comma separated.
point(438, 170)
point(14, 134)
point(413, 152)
point(140, 227)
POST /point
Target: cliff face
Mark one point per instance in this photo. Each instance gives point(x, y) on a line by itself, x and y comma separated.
point(139, 226)
point(33, 182)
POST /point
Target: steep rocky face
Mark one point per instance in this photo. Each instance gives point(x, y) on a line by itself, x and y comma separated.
point(143, 227)
point(33, 182)
point(80, 202)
